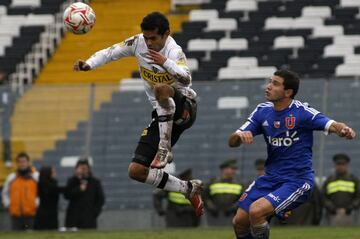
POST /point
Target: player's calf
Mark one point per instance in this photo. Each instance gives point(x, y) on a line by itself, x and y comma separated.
point(241, 225)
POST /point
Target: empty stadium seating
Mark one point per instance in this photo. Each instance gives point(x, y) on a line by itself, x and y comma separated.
point(312, 37)
point(21, 25)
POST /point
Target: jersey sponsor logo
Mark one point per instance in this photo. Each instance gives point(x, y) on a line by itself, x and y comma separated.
point(290, 122)
point(277, 124)
point(283, 141)
point(273, 197)
point(154, 78)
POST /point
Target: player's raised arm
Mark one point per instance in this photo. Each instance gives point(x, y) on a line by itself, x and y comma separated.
point(342, 130)
point(113, 53)
point(240, 137)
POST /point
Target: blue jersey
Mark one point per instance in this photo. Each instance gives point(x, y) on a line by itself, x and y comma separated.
point(289, 137)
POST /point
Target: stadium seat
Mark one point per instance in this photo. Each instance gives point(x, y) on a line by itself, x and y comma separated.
point(244, 5)
point(44, 19)
point(202, 45)
point(222, 24)
point(338, 50)
point(301, 22)
point(233, 44)
point(279, 23)
point(242, 62)
point(316, 11)
point(5, 41)
point(348, 70)
point(21, 3)
point(203, 14)
point(352, 59)
point(245, 74)
point(328, 31)
point(289, 42)
point(352, 40)
point(349, 3)
point(3, 10)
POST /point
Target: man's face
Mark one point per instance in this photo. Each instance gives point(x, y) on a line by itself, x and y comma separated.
point(228, 172)
point(82, 170)
point(22, 163)
point(341, 168)
point(154, 40)
point(260, 170)
point(275, 89)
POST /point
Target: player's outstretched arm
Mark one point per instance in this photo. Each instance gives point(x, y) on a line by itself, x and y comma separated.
point(240, 137)
point(81, 65)
point(342, 130)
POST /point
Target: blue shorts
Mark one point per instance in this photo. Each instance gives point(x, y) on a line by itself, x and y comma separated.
point(284, 196)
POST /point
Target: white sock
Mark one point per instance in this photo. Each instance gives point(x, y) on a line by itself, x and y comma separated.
point(260, 231)
point(163, 180)
point(165, 116)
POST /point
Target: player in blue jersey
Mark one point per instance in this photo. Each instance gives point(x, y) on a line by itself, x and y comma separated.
point(287, 126)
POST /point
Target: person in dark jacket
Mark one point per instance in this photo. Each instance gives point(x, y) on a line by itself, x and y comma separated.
point(49, 192)
point(221, 195)
point(341, 193)
point(86, 198)
point(179, 212)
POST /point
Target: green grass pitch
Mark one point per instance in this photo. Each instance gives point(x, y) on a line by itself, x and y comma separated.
point(201, 233)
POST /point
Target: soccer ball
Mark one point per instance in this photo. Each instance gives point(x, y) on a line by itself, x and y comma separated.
point(79, 18)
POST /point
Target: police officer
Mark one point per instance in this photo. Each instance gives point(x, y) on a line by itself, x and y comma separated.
point(341, 193)
point(221, 195)
point(179, 212)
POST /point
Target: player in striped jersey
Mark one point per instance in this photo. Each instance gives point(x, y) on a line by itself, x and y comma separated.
point(167, 83)
point(287, 126)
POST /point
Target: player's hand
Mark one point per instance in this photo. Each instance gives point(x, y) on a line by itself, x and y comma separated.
point(156, 58)
point(246, 137)
point(347, 133)
point(81, 65)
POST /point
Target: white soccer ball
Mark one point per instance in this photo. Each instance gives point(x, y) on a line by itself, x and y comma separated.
point(79, 18)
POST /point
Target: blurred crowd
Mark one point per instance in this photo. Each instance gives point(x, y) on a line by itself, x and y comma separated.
point(32, 197)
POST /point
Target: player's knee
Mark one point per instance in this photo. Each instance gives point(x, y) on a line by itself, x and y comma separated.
point(163, 92)
point(255, 211)
point(236, 220)
point(240, 225)
point(137, 172)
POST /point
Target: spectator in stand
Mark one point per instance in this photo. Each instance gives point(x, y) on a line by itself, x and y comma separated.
point(341, 193)
point(20, 192)
point(49, 192)
point(86, 197)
